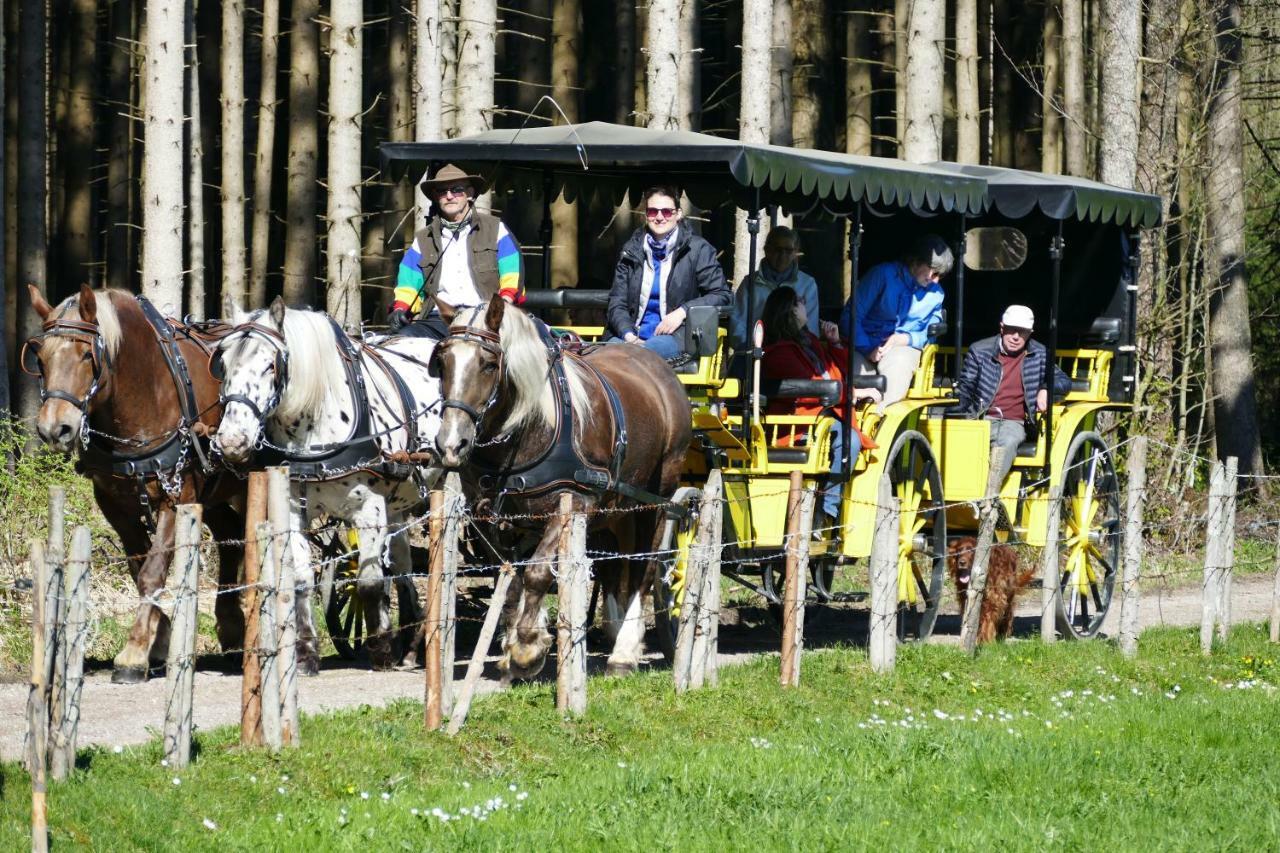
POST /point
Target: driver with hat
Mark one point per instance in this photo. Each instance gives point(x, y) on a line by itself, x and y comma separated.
point(1002, 380)
point(461, 259)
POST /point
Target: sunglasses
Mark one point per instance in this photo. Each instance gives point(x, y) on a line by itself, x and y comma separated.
point(455, 190)
point(655, 212)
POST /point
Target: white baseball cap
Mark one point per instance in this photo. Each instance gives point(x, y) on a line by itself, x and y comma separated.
point(1019, 317)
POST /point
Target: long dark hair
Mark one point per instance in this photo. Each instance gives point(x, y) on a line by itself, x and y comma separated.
point(779, 316)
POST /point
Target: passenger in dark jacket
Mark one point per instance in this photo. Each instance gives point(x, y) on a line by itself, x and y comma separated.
point(663, 270)
point(1002, 379)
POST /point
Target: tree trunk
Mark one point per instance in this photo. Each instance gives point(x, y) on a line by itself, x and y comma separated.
point(76, 146)
point(451, 55)
point(901, 23)
point(690, 95)
point(968, 129)
point(784, 61)
point(476, 45)
point(812, 42)
point(343, 241)
point(264, 156)
point(663, 60)
point(121, 85)
point(1004, 110)
point(1235, 407)
point(195, 176)
point(858, 85)
point(6, 284)
point(1121, 41)
point(233, 248)
point(1051, 119)
point(754, 119)
point(398, 219)
point(1075, 119)
point(430, 58)
point(32, 233)
point(926, 38)
point(566, 47)
point(304, 98)
point(624, 73)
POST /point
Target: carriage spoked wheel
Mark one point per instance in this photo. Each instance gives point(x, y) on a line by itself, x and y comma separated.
point(343, 613)
point(1088, 536)
point(922, 533)
point(669, 584)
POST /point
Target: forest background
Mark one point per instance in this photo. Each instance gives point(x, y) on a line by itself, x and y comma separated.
point(194, 150)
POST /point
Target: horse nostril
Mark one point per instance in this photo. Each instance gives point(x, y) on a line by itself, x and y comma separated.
point(64, 432)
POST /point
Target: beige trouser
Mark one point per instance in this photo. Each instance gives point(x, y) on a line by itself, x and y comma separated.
point(898, 367)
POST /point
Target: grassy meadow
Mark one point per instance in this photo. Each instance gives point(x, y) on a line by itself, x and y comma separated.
point(1028, 747)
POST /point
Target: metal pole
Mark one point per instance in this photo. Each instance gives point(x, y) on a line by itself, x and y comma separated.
point(1051, 345)
point(544, 232)
point(753, 228)
point(1130, 347)
point(846, 438)
point(959, 333)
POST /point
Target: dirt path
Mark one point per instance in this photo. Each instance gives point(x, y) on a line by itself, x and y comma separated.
point(117, 715)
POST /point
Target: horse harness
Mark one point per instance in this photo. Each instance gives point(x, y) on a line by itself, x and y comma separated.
point(360, 450)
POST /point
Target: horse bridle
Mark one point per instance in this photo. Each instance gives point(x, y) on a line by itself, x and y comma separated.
point(277, 342)
point(59, 327)
point(491, 343)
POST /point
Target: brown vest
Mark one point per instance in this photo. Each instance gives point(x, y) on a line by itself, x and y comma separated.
point(482, 257)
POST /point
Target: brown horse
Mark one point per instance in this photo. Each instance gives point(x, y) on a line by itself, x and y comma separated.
point(111, 385)
point(529, 421)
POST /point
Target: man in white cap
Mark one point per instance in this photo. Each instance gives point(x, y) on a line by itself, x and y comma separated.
point(461, 259)
point(1003, 380)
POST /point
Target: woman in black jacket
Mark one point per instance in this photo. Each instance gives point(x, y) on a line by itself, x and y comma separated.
point(664, 269)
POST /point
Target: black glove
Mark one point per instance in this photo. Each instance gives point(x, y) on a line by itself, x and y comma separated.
point(398, 319)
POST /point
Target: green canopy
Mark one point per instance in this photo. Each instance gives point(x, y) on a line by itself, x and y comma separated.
point(595, 158)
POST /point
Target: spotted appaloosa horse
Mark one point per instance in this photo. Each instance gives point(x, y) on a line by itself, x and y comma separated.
point(108, 392)
point(506, 421)
point(288, 384)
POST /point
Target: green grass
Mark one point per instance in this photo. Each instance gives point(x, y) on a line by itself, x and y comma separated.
point(1074, 748)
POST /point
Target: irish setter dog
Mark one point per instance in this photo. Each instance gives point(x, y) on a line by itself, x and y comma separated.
point(1004, 578)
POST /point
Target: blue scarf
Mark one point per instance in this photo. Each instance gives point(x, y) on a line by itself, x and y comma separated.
point(652, 316)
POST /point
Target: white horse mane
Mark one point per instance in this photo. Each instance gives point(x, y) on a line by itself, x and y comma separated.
point(526, 367)
point(315, 368)
point(108, 318)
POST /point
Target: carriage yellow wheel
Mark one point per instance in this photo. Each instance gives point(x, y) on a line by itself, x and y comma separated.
point(343, 616)
point(922, 533)
point(1089, 535)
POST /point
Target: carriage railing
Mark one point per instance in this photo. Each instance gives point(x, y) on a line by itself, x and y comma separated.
point(1089, 369)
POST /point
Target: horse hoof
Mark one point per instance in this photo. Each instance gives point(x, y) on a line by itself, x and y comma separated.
point(620, 669)
point(129, 675)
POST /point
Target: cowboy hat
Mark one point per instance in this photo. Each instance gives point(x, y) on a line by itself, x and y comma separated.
point(449, 175)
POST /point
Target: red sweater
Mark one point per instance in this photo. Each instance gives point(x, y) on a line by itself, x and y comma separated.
point(789, 360)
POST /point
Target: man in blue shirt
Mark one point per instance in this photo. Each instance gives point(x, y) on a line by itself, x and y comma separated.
point(896, 303)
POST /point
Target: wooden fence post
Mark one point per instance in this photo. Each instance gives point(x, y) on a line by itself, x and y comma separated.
point(575, 595)
point(432, 711)
point(38, 700)
point(280, 514)
point(254, 547)
point(1050, 574)
point(476, 667)
point(713, 501)
point(1275, 594)
point(268, 641)
point(454, 504)
point(1133, 546)
point(883, 639)
point(1214, 522)
point(793, 590)
point(181, 665)
point(1228, 545)
point(988, 512)
point(55, 650)
point(74, 632)
point(691, 606)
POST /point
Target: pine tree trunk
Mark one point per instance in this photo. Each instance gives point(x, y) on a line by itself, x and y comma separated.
point(430, 58)
point(264, 156)
point(398, 219)
point(690, 111)
point(32, 233)
point(451, 48)
point(901, 23)
point(1121, 41)
point(121, 85)
point(233, 201)
point(812, 41)
point(476, 47)
point(1235, 406)
point(1051, 121)
point(1004, 112)
point(968, 129)
point(624, 73)
point(858, 85)
point(304, 98)
point(926, 37)
point(195, 178)
point(783, 71)
point(76, 146)
point(343, 241)
point(663, 60)
point(162, 172)
point(566, 47)
point(754, 118)
point(1075, 119)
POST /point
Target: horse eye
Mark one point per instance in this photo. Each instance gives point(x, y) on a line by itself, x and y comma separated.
point(490, 368)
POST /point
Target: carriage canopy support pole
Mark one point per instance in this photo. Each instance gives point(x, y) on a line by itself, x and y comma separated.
point(544, 232)
point(959, 323)
point(753, 229)
point(846, 438)
point(1051, 344)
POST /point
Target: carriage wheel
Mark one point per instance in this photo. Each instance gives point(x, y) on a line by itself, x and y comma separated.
point(343, 613)
point(922, 533)
point(1088, 536)
point(668, 585)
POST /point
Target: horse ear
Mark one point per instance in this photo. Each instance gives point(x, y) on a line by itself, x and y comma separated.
point(277, 312)
point(493, 316)
point(88, 304)
point(38, 302)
